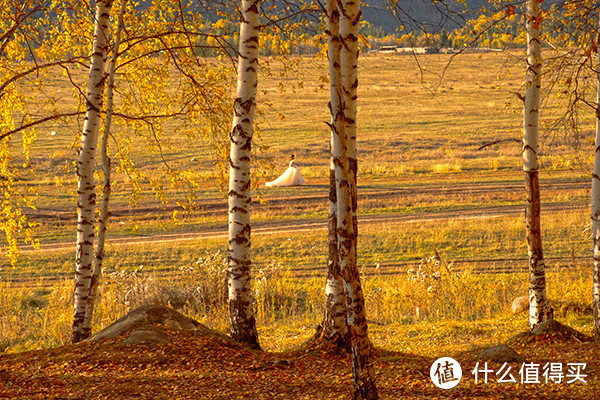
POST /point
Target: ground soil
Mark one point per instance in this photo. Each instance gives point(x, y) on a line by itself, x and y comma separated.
point(195, 366)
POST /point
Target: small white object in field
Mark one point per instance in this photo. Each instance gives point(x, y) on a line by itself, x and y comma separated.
point(53, 133)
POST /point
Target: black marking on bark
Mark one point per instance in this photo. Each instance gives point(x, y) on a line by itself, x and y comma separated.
point(235, 133)
point(332, 189)
point(236, 209)
point(351, 37)
point(252, 39)
point(253, 8)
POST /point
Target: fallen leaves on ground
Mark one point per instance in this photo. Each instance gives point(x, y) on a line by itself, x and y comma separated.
point(201, 367)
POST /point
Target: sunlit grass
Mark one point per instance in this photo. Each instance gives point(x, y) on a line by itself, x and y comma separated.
point(412, 135)
point(405, 126)
point(564, 235)
point(414, 130)
point(290, 303)
point(449, 310)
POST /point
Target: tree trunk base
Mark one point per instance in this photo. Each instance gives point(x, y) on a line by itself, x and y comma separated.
point(549, 330)
point(331, 344)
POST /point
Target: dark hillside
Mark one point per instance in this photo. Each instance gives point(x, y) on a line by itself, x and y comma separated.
point(415, 13)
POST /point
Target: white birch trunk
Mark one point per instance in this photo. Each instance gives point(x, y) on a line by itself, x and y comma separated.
point(106, 167)
point(595, 196)
point(85, 169)
point(347, 229)
point(538, 308)
point(241, 311)
point(334, 326)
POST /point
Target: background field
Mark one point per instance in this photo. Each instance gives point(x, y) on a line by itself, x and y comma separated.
point(424, 185)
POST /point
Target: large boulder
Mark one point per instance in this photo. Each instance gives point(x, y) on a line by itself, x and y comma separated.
point(146, 325)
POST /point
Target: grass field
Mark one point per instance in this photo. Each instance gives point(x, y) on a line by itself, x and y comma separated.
point(419, 156)
point(410, 136)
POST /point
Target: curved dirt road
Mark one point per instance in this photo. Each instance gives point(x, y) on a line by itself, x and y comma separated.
point(281, 227)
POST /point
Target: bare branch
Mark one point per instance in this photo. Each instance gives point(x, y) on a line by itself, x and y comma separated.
point(38, 122)
point(39, 67)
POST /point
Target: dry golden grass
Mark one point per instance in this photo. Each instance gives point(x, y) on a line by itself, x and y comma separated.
point(410, 137)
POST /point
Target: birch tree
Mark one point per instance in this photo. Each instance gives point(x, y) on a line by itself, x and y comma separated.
point(344, 159)
point(595, 200)
point(106, 169)
point(334, 328)
point(571, 31)
point(86, 201)
point(157, 55)
point(595, 197)
point(241, 309)
point(538, 302)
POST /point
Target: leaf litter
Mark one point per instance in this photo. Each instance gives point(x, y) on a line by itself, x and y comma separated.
point(193, 366)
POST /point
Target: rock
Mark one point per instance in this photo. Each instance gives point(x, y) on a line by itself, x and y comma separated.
point(561, 308)
point(520, 304)
point(147, 334)
point(501, 354)
point(143, 325)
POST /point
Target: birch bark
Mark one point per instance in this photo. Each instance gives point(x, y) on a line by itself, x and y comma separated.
point(334, 327)
point(241, 311)
point(106, 168)
point(595, 196)
point(347, 230)
point(85, 169)
point(538, 302)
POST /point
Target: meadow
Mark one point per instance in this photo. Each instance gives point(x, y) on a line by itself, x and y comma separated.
point(419, 140)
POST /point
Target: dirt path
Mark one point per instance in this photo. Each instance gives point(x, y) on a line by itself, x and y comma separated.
point(317, 198)
point(261, 228)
